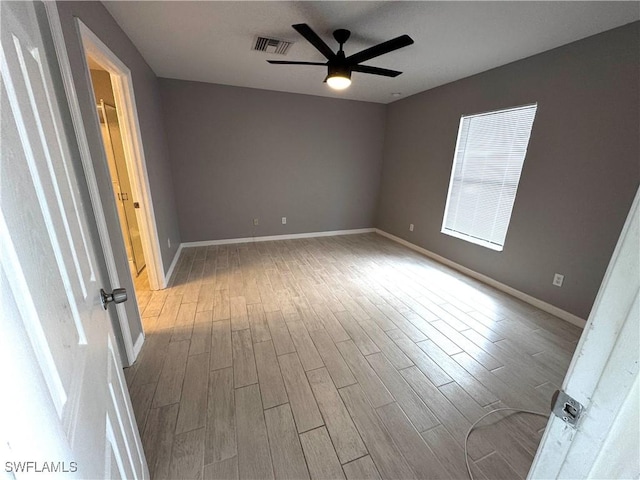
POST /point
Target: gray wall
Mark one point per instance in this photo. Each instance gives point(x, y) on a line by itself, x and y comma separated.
point(240, 153)
point(145, 83)
point(579, 177)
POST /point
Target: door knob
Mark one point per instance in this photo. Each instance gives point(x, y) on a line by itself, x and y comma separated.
point(118, 295)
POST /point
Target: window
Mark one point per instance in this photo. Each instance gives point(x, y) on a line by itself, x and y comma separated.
point(489, 156)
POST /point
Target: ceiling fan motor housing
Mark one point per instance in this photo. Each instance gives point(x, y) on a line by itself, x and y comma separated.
point(339, 70)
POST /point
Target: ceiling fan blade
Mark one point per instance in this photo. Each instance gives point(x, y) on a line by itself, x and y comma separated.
point(380, 49)
point(375, 70)
point(284, 62)
point(313, 38)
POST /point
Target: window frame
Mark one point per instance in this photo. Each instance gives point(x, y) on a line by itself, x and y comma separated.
point(463, 236)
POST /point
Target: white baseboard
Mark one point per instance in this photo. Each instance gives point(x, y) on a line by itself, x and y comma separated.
point(547, 307)
point(270, 238)
point(138, 346)
point(174, 262)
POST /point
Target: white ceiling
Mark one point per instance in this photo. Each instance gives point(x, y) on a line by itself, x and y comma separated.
point(212, 41)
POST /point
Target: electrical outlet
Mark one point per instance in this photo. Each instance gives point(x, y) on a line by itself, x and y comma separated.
point(255, 221)
point(411, 227)
point(169, 242)
point(558, 279)
point(284, 220)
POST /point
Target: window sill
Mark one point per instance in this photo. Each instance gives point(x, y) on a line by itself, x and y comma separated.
point(477, 241)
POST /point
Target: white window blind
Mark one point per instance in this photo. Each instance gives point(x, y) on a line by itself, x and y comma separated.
point(488, 160)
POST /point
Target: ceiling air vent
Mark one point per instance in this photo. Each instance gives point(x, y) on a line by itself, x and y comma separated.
point(271, 45)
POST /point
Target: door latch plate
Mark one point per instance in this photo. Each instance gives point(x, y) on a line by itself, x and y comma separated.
point(566, 408)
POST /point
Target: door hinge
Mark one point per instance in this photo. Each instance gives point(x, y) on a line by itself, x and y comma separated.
point(566, 408)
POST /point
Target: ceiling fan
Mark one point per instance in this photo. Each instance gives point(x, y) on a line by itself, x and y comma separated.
point(340, 66)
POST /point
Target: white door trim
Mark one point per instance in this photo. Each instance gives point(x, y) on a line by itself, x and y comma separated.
point(123, 93)
point(87, 165)
point(603, 370)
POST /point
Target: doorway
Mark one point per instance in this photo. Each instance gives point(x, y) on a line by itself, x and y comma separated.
point(127, 203)
point(110, 130)
point(116, 117)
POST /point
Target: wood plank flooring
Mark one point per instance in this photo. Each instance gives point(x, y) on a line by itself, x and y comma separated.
point(338, 357)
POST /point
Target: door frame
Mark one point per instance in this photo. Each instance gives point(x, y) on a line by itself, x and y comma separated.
point(132, 348)
point(603, 372)
point(123, 92)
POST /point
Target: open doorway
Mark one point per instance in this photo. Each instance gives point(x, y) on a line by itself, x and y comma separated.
point(111, 132)
point(117, 118)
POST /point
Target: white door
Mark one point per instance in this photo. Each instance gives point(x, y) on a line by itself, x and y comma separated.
point(64, 406)
point(603, 377)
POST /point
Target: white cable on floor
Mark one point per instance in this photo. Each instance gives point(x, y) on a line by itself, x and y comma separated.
point(466, 438)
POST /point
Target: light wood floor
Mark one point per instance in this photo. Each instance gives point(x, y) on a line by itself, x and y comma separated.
point(339, 357)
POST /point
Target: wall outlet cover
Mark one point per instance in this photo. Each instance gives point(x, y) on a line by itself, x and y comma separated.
point(255, 221)
point(558, 279)
point(411, 227)
point(284, 220)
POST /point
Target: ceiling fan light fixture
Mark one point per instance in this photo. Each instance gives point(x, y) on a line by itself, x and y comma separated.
point(339, 78)
point(338, 82)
